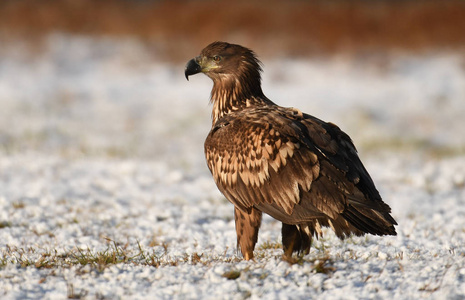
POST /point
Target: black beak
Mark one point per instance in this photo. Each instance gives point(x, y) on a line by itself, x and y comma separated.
point(192, 68)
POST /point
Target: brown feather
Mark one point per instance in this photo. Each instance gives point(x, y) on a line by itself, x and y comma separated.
point(247, 225)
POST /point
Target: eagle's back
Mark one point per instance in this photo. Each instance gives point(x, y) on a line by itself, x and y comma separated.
point(297, 168)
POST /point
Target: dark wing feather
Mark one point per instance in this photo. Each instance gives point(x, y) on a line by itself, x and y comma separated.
point(296, 168)
point(365, 209)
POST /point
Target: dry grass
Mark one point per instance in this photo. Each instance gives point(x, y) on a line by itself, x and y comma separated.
point(98, 261)
point(116, 253)
point(232, 274)
point(176, 28)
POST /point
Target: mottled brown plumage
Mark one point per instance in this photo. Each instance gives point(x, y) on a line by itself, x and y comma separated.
point(299, 169)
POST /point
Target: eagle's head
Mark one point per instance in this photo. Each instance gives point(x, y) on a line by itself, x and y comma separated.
point(222, 61)
point(235, 71)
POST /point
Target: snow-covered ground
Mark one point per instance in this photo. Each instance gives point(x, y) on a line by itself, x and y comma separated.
point(104, 192)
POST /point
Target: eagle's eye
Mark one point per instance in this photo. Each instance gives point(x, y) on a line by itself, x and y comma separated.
point(217, 58)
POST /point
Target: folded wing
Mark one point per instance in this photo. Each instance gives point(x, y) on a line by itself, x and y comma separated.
point(296, 168)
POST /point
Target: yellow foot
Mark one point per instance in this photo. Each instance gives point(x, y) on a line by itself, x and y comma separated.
point(248, 255)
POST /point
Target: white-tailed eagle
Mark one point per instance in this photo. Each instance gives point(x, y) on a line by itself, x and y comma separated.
point(297, 168)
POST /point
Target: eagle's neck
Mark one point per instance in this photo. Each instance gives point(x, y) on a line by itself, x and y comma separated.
point(231, 94)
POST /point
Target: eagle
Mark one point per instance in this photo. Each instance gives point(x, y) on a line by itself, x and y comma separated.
point(265, 158)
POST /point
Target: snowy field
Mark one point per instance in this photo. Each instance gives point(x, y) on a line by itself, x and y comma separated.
point(104, 192)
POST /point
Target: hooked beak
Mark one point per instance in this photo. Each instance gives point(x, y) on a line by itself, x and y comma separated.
point(192, 68)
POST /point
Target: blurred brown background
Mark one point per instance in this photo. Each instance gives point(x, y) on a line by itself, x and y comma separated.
point(176, 29)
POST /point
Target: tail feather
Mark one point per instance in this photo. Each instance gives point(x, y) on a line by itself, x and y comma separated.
point(370, 221)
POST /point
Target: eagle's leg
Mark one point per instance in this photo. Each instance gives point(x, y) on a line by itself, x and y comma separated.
point(306, 238)
point(291, 239)
point(296, 238)
point(247, 225)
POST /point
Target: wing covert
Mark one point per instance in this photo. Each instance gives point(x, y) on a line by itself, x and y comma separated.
point(246, 152)
point(290, 165)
